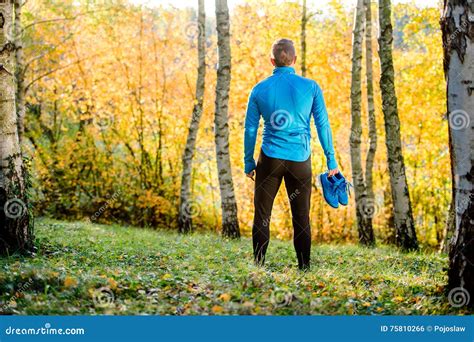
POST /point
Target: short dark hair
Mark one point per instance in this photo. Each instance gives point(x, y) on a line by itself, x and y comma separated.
point(283, 52)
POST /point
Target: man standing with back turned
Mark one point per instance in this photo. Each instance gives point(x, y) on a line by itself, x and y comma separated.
point(286, 102)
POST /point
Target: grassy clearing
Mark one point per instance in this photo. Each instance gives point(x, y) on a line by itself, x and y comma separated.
point(83, 268)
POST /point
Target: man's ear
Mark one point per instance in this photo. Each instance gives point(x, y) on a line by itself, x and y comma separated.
point(273, 61)
point(294, 61)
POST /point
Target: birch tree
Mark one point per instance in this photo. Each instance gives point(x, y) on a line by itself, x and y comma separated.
point(19, 69)
point(230, 224)
point(364, 209)
point(304, 21)
point(458, 45)
point(372, 123)
point(15, 231)
point(185, 213)
point(403, 217)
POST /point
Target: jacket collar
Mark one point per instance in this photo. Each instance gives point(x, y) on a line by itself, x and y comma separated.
point(284, 70)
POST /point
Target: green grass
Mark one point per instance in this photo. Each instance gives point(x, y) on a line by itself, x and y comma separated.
point(82, 268)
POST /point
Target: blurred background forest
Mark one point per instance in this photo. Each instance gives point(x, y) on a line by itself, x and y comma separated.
point(110, 88)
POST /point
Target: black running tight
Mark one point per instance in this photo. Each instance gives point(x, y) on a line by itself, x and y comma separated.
point(269, 175)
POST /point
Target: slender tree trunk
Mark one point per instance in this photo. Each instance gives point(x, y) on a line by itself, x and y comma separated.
point(230, 223)
point(458, 43)
point(448, 230)
point(369, 162)
point(185, 208)
point(19, 71)
point(304, 20)
point(15, 231)
point(364, 208)
point(404, 224)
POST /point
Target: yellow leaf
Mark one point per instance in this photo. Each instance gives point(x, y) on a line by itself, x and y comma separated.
point(398, 299)
point(224, 297)
point(166, 276)
point(112, 283)
point(217, 309)
point(366, 304)
point(70, 282)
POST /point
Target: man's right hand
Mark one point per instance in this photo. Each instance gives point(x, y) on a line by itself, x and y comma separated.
point(251, 175)
point(333, 172)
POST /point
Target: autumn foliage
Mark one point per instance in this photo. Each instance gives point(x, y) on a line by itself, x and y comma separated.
point(111, 91)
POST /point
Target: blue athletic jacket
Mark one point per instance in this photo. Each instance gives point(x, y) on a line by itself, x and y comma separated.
point(286, 101)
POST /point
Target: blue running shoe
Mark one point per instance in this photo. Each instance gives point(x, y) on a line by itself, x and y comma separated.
point(329, 189)
point(342, 188)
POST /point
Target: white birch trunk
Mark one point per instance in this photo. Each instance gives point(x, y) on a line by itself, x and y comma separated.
point(457, 25)
point(19, 75)
point(364, 209)
point(304, 21)
point(402, 212)
point(230, 224)
point(15, 233)
point(187, 207)
point(372, 123)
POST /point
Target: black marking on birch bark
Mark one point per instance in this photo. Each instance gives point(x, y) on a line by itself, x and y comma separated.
point(3, 69)
point(8, 47)
point(455, 37)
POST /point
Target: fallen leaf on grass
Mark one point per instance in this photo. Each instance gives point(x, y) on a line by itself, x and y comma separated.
point(70, 282)
point(398, 299)
point(217, 309)
point(113, 284)
point(166, 276)
point(224, 297)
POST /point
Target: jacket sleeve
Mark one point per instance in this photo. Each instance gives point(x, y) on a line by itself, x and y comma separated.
point(323, 127)
point(252, 119)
